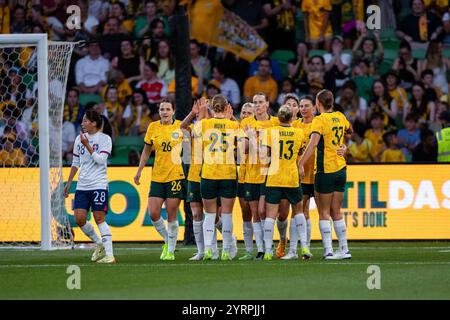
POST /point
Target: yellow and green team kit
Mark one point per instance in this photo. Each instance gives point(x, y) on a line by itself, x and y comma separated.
point(282, 180)
point(168, 179)
point(330, 167)
point(308, 179)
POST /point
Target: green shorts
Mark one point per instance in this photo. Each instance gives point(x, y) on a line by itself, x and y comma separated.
point(253, 191)
point(211, 189)
point(308, 189)
point(275, 194)
point(330, 182)
point(241, 190)
point(193, 192)
point(166, 190)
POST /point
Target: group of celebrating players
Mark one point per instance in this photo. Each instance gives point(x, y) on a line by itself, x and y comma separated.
point(272, 164)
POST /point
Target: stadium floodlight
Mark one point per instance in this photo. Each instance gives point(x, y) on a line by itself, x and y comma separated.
point(33, 77)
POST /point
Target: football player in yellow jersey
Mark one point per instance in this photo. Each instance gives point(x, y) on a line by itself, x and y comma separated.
point(219, 137)
point(306, 108)
point(167, 185)
point(255, 174)
point(247, 110)
point(283, 144)
point(327, 136)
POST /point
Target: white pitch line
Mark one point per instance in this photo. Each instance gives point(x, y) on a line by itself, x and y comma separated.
point(216, 264)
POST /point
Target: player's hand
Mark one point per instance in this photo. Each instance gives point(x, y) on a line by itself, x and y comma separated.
point(66, 190)
point(83, 139)
point(195, 107)
point(137, 177)
point(342, 150)
point(301, 171)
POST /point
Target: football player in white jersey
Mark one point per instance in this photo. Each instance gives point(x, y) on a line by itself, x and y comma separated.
point(90, 154)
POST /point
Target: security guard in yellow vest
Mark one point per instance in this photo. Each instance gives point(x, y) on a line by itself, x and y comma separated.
point(443, 138)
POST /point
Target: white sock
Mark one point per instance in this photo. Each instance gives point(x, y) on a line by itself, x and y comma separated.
point(282, 228)
point(262, 226)
point(173, 235)
point(219, 224)
point(227, 231)
point(269, 225)
point(198, 234)
point(89, 230)
point(257, 231)
point(293, 236)
point(209, 229)
point(214, 243)
point(308, 232)
point(325, 231)
point(300, 224)
point(106, 237)
point(341, 232)
point(248, 236)
point(161, 228)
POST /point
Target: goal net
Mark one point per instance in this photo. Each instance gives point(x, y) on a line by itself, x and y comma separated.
point(33, 76)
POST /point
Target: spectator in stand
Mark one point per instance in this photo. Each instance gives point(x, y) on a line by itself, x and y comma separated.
point(143, 23)
point(89, 22)
point(99, 9)
point(421, 106)
point(73, 111)
point(392, 153)
point(91, 71)
point(10, 156)
point(395, 91)
point(228, 87)
point(155, 88)
point(150, 46)
point(212, 89)
point(287, 88)
point(113, 109)
point(276, 70)
point(316, 73)
point(375, 135)
point(261, 82)
point(419, 27)
point(406, 66)
point(138, 115)
point(128, 62)
point(165, 61)
point(355, 107)
point(11, 123)
point(409, 138)
point(281, 14)
point(438, 63)
point(366, 48)
point(5, 17)
point(359, 148)
point(364, 81)
point(19, 23)
point(201, 64)
point(15, 88)
point(318, 29)
point(383, 103)
point(337, 62)
point(117, 79)
point(297, 67)
point(432, 92)
point(118, 10)
point(112, 37)
point(69, 135)
point(446, 22)
point(426, 150)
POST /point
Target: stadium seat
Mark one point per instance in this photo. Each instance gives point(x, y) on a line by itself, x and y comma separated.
point(419, 53)
point(313, 53)
point(388, 34)
point(392, 44)
point(390, 54)
point(283, 57)
point(86, 98)
point(124, 144)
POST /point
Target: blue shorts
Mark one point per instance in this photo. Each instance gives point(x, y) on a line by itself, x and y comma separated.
point(97, 200)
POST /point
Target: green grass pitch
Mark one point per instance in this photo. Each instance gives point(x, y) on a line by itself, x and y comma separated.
point(409, 270)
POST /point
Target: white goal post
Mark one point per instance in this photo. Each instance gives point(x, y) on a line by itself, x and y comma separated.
point(50, 106)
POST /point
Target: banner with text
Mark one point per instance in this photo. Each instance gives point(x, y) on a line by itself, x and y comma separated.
point(383, 202)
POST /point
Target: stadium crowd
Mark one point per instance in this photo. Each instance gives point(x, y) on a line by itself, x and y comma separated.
point(392, 84)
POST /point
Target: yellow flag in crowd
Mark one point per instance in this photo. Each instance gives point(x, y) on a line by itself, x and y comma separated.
point(214, 25)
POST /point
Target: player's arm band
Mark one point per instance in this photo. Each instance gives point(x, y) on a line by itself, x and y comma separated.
point(100, 158)
point(314, 132)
